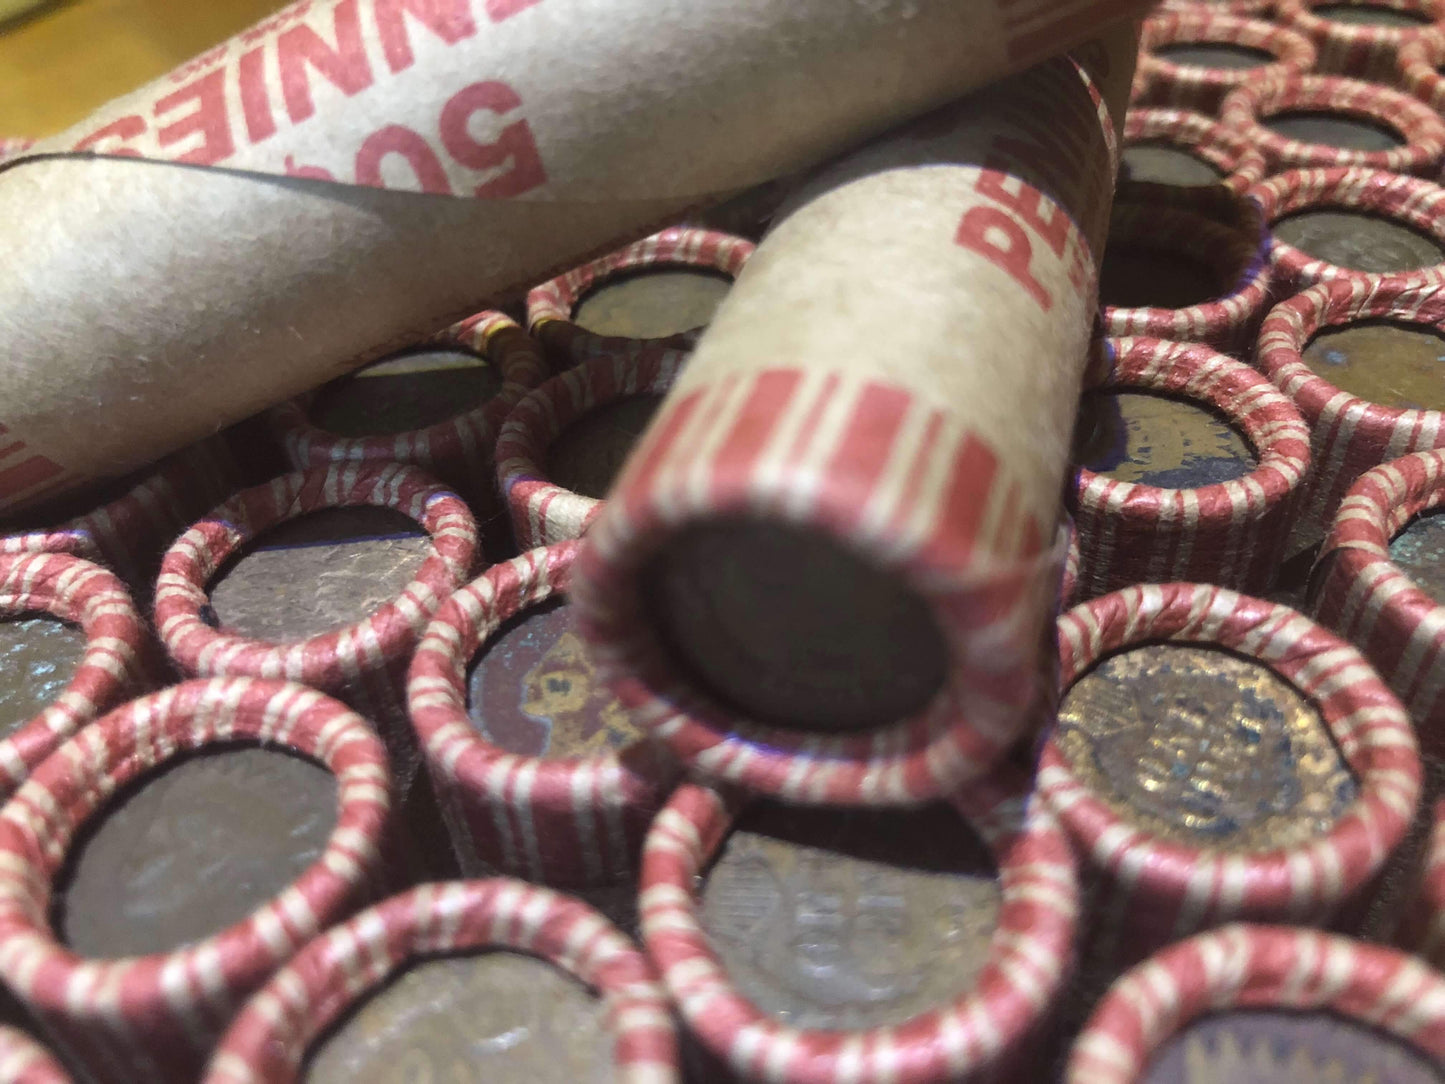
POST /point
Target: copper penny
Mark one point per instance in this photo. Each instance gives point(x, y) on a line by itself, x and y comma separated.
point(1162, 163)
point(406, 391)
point(1394, 364)
point(1205, 748)
point(1419, 552)
point(653, 303)
point(38, 657)
point(1221, 55)
point(1158, 440)
point(1359, 241)
point(587, 456)
point(845, 919)
point(1325, 128)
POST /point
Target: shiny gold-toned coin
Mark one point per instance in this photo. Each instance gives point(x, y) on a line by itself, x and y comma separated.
point(1394, 364)
point(653, 303)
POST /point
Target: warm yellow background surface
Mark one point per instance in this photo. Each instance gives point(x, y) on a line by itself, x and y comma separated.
point(68, 57)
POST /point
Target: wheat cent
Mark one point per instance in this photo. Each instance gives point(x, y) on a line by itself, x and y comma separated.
point(39, 654)
point(1159, 440)
point(1392, 363)
point(1204, 748)
point(652, 303)
point(407, 391)
point(1359, 241)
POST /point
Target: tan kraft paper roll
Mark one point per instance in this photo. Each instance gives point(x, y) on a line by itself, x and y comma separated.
point(146, 304)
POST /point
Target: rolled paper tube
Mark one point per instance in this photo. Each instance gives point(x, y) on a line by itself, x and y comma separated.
point(540, 771)
point(1190, 59)
point(1360, 38)
point(1229, 688)
point(1389, 599)
point(1187, 499)
point(1360, 360)
point(553, 307)
point(1423, 932)
point(440, 418)
point(1417, 67)
point(156, 1016)
point(576, 133)
point(562, 445)
point(797, 572)
point(1303, 121)
point(1173, 274)
point(1267, 1003)
point(45, 702)
point(1357, 225)
point(1178, 147)
point(350, 964)
point(987, 1029)
point(24, 1061)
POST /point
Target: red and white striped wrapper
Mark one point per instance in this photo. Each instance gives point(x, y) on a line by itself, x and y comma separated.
point(1368, 600)
point(1417, 67)
point(1348, 435)
point(1069, 586)
point(112, 666)
point(363, 664)
point(1361, 51)
point(550, 305)
point(1409, 201)
point(1231, 533)
point(1249, 105)
point(563, 820)
point(1198, 135)
point(1257, 968)
point(542, 511)
point(1423, 929)
point(457, 451)
point(1238, 258)
point(982, 1035)
point(1259, 8)
point(156, 1017)
point(1154, 890)
point(270, 1037)
point(24, 1061)
point(1159, 81)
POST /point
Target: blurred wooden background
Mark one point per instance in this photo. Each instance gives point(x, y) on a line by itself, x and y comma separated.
point(65, 58)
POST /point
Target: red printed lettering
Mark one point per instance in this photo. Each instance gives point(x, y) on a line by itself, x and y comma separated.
point(450, 20)
point(208, 119)
point(344, 66)
point(125, 128)
point(497, 10)
point(1029, 204)
point(255, 102)
point(1002, 241)
point(430, 174)
point(514, 144)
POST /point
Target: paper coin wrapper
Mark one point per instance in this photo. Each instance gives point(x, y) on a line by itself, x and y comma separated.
point(147, 301)
point(826, 569)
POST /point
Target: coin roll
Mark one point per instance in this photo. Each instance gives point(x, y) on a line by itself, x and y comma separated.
point(457, 447)
point(1267, 1003)
point(574, 814)
point(112, 666)
point(1184, 148)
point(1351, 224)
point(1191, 58)
point(1350, 433)
point(1322, 121)
point(1417, 67)
point(987, 1032)
point(1259, 8)
point(1069, 586)
point(155, 1017)
point(1170, 857)
point(601, 401)
point(1365, 596)
point(24, 1061)
point(272, 1035)
point(1362, 43)
point(552, 306)
point(1423, 929)
point(1230, 532)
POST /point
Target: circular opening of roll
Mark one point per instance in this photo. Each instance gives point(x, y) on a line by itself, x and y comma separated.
point(1136, 274)
point(1145, 438)
point(652, 302)
point(787, 627)
point(1371, 15)
point(1333, 128)
point(406, 391)
point(1358, 240)
point(1161, 163)
point(1208, 54)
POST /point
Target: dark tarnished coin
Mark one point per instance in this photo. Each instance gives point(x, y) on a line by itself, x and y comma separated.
point(1204, 748)
point(1330, 129)
point(1359, 241)
point(38, 657)
point(653, 303)
point(1419, 552)
point(1214, 55)
point(192, 848)
point(1158, 440)
point(404, 392)
point(1161, 163)
point(1370, 15)
point(1281, 1047)
point(587, 456)
point(844, 919)
point(1394, 364)
point(533, 690)
point(318, 572)
point(500, 1016)
point(1136, 277)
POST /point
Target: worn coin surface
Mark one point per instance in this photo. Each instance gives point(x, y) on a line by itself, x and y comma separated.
point(407, 391)
point(1394, 364)
point(1204, 748)
point(1158, 440)
point(500, 1016)
point(1332, 129)
point(1278, 1047)
point(1214, 55)
point(842, 919)
point(38, 657)
point(1359, 241)
point(1419, 552)
point(1370, 15)
point(653, 303)
point(586, 456)
point(320, 571)
point(533, 690)
point(193, 848)
point(1162, 163)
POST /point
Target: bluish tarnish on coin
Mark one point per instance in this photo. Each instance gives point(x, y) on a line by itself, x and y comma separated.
point(1419, 552)
point(1159, 440)
point(1160, 163)
point(38, 657)
point(1394, 364)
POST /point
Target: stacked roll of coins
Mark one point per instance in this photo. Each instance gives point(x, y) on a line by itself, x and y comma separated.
point(1190, 58)
point(1360, 38)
